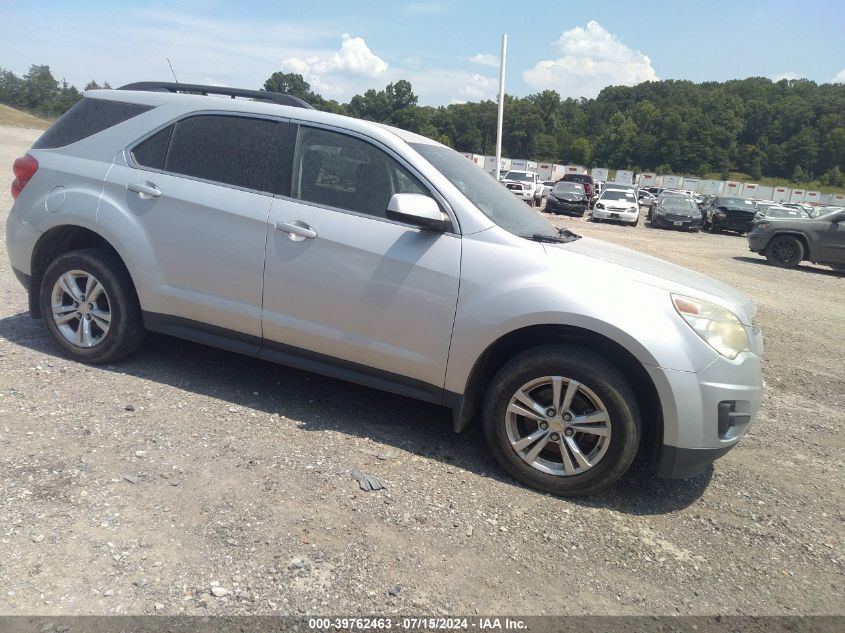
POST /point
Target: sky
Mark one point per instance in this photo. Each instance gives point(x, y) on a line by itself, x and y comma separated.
point(449, 51)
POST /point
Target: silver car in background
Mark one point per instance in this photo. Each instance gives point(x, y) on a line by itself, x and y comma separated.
point(364, 252)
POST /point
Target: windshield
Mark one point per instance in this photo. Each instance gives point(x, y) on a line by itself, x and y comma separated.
point(519, 175)
point(783, 212)
point(491, 198)
point(615, 194)
point(568, 187)
point(676, 202)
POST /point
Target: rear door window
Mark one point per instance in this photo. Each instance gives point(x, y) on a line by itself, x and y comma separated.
point(232, 150)
point(86, 118)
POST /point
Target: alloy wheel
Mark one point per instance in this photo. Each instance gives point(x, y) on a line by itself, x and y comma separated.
point(558, 425)
point(81, 308)
point(784, 251)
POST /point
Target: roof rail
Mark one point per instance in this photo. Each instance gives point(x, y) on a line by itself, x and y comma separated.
point(260, 95)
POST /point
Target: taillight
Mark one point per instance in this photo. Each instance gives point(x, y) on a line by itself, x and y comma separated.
point(24, 169)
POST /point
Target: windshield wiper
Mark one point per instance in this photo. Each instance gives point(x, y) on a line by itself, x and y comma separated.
point(563, 236)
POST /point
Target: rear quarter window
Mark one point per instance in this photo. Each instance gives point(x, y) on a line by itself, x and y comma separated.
point(86, 118)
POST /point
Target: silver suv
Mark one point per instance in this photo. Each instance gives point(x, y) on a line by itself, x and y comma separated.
point(345, 247)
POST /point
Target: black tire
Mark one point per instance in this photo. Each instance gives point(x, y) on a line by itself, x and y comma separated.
point(592, 371)
point(126, 329)
point(785, 251)
point(714, 228)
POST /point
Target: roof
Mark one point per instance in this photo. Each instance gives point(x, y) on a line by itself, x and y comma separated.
point(218, 99)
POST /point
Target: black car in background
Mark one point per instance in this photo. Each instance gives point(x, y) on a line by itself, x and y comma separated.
point(677, 212)
point(729, 213)
point(569, 198)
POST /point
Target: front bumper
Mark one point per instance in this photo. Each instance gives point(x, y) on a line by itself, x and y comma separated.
point(620, 215)
point(733, 223)
point(676, 222)
point(706, 413)
point(566, 207)
point(757, 241)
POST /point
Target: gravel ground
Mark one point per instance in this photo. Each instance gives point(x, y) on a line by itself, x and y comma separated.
point(190, 480)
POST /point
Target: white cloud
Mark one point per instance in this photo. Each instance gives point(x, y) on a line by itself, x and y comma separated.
point(436, 86)
point(485, 59)
point(330, 74)
point(786, 75)
point(839, 78)
point(591, 59)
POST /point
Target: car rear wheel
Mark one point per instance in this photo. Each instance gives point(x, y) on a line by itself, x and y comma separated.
point(90, 307)
point(562, 420)
point(785, 251)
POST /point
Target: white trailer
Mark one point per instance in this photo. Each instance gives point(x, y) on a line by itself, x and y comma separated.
point(732, 188)
point(545, 171)
point(765, 192)
point(600, 173)
point(710, 187)
point(813, 197)
point(624, 177)
point(691, 183)
point(575, 169)
point(519, 163)
point(797, 195)
point(647, 179)
point(671, 182)
point(838, 200)
point(475, 159)
point(749, 190)
point(780, 194)
point(490, 165)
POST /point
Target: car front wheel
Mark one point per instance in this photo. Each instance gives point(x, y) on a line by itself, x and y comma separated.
point(785, 251)
point(90, 308)
point(562, 420)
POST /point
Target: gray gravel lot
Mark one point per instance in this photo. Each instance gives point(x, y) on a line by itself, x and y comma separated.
point(191, 480)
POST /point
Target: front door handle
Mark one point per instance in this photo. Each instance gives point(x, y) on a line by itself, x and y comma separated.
point(297, 230)
point(145, 190)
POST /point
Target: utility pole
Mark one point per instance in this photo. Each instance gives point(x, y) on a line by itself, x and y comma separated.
point(501, 116)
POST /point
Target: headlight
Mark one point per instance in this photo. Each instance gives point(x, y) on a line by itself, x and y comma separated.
point(599, 205)
point(632, 208)
point(720, 328)
point(659, 211)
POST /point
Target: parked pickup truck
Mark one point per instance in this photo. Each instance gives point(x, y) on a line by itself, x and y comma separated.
point(526, 184)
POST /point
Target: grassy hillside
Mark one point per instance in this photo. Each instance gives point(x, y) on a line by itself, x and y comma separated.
point(17, 118)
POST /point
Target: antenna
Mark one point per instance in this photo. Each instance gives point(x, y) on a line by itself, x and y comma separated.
point(171, 69)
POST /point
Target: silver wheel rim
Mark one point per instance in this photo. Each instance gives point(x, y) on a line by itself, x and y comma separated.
point(81, 308)
point(558, 426)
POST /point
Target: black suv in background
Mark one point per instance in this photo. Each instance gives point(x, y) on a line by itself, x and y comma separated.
point(569, 198)
point(583, 179)
point(729, 213)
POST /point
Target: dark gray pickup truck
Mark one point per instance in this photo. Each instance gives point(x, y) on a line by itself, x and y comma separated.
point(788, 242)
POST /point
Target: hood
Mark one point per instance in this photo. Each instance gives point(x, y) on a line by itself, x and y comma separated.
point(657, 272)
point(685, 211)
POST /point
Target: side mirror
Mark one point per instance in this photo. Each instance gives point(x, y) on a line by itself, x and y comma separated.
point(839, 217)
point(419, 210)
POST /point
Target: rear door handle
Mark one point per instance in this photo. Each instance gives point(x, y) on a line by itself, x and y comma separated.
point(297, 230)
point(145, 190)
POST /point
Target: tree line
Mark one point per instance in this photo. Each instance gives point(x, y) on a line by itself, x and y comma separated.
point(790, 129)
